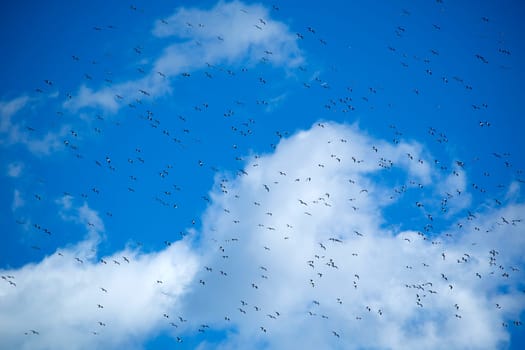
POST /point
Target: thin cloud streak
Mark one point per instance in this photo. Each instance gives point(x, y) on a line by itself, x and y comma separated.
point(234, 34)
point(14, 132)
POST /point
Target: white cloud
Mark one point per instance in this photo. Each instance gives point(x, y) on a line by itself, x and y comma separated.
point(303, 238)
point(343, 200)
point(14, 133)
point(59, 296)
point(18, 201)
point(230, 33)
point(49, 143)
point(8, 109)
point(15, 169)
point(108, 97)
point(513, 191)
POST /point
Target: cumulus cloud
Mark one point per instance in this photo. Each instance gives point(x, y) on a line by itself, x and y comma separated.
point(303, 257)
point(230, 33)
point(295, 252)
point(71, 300)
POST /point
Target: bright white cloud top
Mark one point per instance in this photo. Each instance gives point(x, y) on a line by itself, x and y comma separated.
point(295, 251)
point(71, 296)
point(314, 254)
point(244, 176)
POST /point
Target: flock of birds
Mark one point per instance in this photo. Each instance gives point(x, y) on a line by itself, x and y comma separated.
point(321, 264)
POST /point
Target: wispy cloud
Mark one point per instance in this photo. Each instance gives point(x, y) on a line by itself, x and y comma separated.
point(84, 216)
point(15, 169)
point(14, 132)
point(18, 201)
point(8, 109)
point(231, 33)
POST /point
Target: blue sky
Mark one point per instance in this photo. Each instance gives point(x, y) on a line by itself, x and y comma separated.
point(262, 175)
